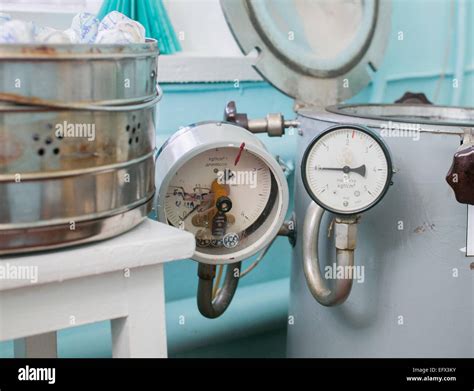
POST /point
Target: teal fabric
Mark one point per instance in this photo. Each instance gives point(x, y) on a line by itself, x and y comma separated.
point(152, 15)
point(413, 64)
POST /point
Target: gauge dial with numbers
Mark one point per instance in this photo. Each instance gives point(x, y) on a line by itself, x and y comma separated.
point(193, 194)
point(218, 182)
point(347, 169)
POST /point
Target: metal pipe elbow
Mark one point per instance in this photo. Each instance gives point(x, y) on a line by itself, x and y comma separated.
point(345, 245)
point(213, 308)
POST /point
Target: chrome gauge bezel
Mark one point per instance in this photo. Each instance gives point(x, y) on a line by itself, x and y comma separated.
point(190, 142)
point(377, 139)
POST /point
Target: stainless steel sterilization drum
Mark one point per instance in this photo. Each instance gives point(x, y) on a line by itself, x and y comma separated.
point(77, 139)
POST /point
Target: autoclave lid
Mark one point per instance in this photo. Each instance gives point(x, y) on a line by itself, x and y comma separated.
point(317, 51)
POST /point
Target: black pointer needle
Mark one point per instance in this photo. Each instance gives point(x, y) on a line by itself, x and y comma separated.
point(191, 211)
point(346, 169)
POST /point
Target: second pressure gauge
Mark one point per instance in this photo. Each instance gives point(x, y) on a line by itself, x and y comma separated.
point(347, 169)
point(217, 181)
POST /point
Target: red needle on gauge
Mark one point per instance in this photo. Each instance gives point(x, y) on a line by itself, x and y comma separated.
point(237, 159)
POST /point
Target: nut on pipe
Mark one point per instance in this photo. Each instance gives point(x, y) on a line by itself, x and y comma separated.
point(345, 235)
point(273, 124)
point(345, 239)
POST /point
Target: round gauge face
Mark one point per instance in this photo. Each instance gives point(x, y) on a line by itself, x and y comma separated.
point(346, 169)
point(221, 196)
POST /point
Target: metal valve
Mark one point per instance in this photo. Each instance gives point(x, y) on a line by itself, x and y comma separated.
point(461, 174)
point(273, 124)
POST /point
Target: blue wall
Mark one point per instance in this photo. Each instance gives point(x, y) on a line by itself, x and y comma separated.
point(255, 323)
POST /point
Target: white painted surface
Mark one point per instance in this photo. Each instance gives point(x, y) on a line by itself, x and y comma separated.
point(119, 279)
point(187, 67)
point(143, 332)
point(147, 244)
point(210, 52)
point(51, 6)
point(470, 231)
point(202, 27)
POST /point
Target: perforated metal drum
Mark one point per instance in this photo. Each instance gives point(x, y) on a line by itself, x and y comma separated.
point(77, 142)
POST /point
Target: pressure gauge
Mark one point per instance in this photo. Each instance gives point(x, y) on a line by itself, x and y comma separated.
point(347, 169)
point(217, 181)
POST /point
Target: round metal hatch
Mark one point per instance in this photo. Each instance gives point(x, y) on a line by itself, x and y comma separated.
point(316, 51)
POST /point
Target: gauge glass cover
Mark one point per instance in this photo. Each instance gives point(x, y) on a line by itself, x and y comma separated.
point(222, 196)
point(347, 169)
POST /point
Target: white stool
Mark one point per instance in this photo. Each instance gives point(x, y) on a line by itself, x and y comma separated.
point(120, 279)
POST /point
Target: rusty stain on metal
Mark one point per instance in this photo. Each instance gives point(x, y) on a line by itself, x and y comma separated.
point(10, 149)
point(425, 227)
point(26, 100)
point(74, 178)
point(117, 105)
point(41, 50)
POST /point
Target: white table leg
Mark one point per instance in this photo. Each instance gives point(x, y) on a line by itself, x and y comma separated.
point(37, 346)
point(142, 333)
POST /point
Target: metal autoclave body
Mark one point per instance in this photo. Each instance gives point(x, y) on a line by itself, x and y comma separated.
point(381, 262)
